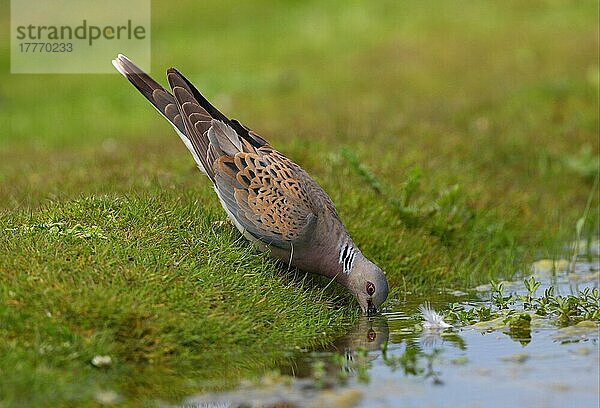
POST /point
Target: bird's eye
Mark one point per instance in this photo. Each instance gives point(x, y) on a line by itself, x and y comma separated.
point(371, 335)
point(370, 288)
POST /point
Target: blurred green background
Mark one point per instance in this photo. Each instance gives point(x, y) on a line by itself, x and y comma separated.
point(459, 141)
point(497, 99)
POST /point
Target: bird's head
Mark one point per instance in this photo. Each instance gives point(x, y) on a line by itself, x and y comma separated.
point(368, 285)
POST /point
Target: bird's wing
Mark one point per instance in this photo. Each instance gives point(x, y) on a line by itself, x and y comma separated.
point(211, 133)
point(267, 195)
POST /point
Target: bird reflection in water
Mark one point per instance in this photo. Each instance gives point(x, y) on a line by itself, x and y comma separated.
point(360, 345)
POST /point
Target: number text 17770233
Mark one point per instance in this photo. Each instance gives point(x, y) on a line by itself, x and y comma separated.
point(46, 47)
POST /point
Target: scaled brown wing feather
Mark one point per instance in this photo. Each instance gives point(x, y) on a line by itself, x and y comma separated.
point(263, 191)
point(266, 193)
point(210, 132)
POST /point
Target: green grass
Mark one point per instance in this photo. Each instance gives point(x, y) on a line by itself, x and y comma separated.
point(114, 276)
point(459, 143)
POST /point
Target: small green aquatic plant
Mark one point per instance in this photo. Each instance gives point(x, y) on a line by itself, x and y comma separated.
point(532, 286)
point(498, 298)
point(566, 310)
point(457, 313)
point(543, 303)
point(483, 313)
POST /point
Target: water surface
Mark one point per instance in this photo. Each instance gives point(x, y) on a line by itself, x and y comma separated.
point(465, 366)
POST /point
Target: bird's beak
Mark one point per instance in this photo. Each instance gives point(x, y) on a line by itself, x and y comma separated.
point(371, 309)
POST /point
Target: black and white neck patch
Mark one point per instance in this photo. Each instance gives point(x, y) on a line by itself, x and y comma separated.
point(347, 256)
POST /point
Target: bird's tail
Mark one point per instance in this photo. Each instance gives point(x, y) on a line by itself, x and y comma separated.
point(159, 97)
point(205, 131)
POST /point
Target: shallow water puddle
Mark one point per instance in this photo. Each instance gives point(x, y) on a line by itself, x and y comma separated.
point(391, 361)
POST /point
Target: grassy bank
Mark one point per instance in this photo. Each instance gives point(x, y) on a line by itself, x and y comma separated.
point(458, 144)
